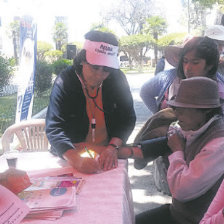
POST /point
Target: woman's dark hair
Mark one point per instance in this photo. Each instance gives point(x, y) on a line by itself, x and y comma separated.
point(97, 36)
point(211, 111)
point(204, 48)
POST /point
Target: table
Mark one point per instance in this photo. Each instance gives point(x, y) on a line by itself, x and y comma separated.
point(104, 198)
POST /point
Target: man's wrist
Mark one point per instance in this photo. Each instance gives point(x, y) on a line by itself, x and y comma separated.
point(131, 152)
point(114, 146)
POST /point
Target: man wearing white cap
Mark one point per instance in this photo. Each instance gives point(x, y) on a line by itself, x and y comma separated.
point(91, 106)
point(216, 32)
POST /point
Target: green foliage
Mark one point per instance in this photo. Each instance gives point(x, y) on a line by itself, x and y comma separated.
point(12, 62)
point(54, 55)
point(14, 29)
point(208, 3)
point(41, 102)
point(14, 34)
point(8, 108)
point(171, 39)
point(60, 65)
point(155, 26)
point(60, 34)
point(6, 70)
point(7, 111)
point(42, 48)
point(135, 47)
point(135, 40)
point(43, 77)
point(101, 27)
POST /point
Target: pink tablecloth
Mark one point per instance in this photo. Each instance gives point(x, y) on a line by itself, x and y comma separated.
point(104, 198)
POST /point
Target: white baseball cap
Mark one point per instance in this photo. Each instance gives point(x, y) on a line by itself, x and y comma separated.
point(215, 32)
point(102, 54)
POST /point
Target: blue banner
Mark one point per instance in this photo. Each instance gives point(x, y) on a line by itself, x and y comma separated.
point(28, 43)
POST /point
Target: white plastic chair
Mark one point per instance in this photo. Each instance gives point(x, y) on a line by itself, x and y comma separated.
point(30, 136)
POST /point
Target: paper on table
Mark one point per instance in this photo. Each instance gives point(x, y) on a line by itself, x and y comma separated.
point(12, 209)
point(49, 198)
point(49, 204)
point(66, 180)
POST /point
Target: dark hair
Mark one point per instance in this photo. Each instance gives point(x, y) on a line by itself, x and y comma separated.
point(204, 48)
point(212, 112)
point(97, 36)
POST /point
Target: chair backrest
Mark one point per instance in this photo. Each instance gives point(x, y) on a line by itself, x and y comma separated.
point(30, 134)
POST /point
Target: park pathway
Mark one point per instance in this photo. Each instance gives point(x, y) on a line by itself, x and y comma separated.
point(145, 194)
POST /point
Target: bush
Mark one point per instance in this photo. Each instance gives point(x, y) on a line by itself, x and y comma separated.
point(6, 71)
point(42, 48)
point(43, 76)
point(54, 55)
point(60, 65)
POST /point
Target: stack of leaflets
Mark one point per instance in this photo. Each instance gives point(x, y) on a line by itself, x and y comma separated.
point(49, 197)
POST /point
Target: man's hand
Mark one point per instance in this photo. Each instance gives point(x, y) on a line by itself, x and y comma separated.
point(83, 165)
point(108, 158)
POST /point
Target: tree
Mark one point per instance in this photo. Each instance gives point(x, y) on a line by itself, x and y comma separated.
point(135, 47)
point(53, 55)
point(60, 34)
point(14, 34)
point(6, 71)
point(43, 76)
point(196, 12)
point(101, 27)
point(207, 3)
point(42, 48)
point(171, 39)
point(155, 26)
point(130, 14)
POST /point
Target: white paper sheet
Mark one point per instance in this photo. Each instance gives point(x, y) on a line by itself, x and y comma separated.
point(12, 209)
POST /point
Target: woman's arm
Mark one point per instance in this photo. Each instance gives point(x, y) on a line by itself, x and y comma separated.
point(149, 91)
point(189, 182)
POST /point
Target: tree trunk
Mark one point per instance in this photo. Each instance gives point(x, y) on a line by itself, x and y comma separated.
point(155, 35)
point(156, 53)
point(15, 48)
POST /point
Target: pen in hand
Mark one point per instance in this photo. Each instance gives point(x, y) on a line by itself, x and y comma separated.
point(89, 152)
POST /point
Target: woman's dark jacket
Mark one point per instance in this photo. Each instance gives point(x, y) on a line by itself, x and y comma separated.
point(67, 121)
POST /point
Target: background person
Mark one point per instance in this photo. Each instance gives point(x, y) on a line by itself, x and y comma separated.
point(215, 213)
point(160, 65)
point(198, 57)
point(216, 32)
point(91, 105)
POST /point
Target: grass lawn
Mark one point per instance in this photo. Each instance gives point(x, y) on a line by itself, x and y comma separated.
point(8, 108)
